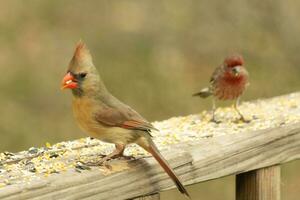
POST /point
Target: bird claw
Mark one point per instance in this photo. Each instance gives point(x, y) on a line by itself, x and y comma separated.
point(97, 164)
point(104, 161)
point(243, 119)
point(128, 157)
point(92, 164)
point(100, 162)
point(215, 121)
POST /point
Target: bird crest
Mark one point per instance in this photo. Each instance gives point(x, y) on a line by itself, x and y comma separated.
point(82, 52)
point(81, 58)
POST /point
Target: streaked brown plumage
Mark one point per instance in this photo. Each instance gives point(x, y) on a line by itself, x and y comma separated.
point(228, 82)
point(104, 117)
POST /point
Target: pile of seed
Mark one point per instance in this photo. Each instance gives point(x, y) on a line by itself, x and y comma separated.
point(38, 163)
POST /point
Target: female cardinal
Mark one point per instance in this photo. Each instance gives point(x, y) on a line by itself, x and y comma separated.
point(228, 82)
point(104, 117)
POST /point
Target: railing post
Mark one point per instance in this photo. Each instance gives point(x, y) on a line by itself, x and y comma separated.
point(150, 197)
point(261, 184)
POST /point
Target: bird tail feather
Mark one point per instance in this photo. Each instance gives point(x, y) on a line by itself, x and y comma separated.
point(205, 92)
point(164, 164)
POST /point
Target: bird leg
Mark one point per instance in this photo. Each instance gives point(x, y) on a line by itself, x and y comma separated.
point(118, 152)
point(214, 108)
point(242, 118)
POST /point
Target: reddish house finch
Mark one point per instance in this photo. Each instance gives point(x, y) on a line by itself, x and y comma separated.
point(104, 117)
point(228, 82)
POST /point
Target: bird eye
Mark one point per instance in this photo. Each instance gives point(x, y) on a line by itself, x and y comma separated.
point(82, 75)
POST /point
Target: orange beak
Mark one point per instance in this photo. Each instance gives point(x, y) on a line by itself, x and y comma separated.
point(69, 82)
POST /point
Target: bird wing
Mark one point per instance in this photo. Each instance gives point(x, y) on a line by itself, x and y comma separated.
point(124, 117)
point(216, 74)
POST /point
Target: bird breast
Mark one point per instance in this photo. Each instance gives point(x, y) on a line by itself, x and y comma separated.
point(230, 87)
point(84, 109)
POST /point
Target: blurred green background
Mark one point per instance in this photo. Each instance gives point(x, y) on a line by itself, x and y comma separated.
point(152, 55)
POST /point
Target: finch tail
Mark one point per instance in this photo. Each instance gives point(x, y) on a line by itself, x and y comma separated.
point(205, 92)
point(164, 164)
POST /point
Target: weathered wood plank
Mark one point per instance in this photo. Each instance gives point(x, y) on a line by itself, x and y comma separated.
point(261, 184)
point(150, 197)
point(201, 159)
point(210, 159)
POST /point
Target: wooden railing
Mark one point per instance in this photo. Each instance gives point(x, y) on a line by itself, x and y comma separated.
point(197, 149)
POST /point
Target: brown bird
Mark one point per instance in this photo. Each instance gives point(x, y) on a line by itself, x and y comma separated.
point(104, 117)
point(228, 82)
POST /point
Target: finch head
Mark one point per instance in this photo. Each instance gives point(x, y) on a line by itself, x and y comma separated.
point(234, 60)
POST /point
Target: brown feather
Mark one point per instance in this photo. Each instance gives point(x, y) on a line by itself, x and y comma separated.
point(81, 50)
point(204, 93)
point(152, 149)
point(123, 116)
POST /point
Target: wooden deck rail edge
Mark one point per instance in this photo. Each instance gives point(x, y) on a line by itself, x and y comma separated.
point(194, 162)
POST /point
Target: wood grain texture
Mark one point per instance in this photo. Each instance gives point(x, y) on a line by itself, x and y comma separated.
point(261, 184)
point(151, 197)
point(195, 161)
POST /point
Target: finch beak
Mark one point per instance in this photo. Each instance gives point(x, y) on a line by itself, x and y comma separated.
point(69, 82)
point(236, 70)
